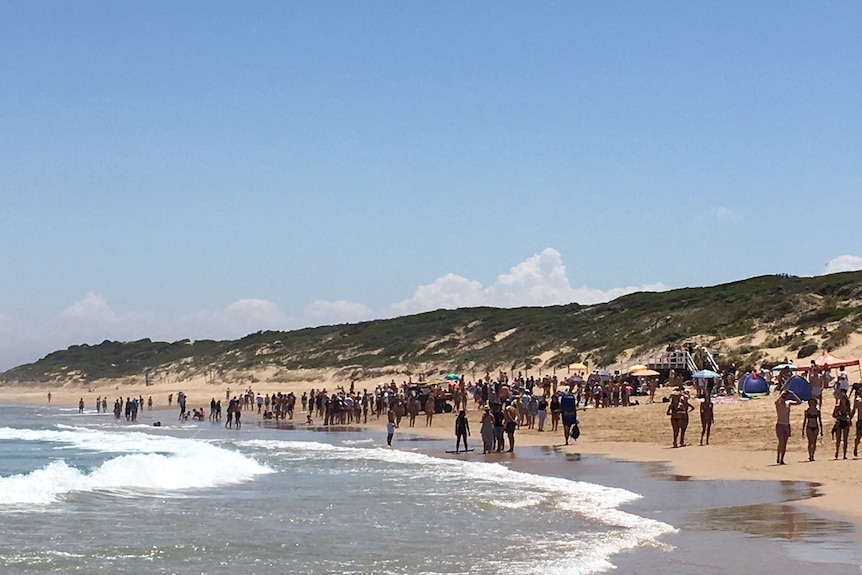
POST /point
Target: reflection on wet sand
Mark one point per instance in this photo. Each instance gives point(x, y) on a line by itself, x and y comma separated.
point(773, 520)
point(661, 470)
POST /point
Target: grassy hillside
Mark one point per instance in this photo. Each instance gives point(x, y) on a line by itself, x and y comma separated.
point(493, 339)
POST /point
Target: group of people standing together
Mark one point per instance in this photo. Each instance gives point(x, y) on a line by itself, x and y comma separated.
point(843, 413)
point(499, 421)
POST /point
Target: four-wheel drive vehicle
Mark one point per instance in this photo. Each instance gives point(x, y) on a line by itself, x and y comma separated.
point(441, 392)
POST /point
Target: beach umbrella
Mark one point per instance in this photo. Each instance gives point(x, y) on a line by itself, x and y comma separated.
point(638, 367)
point(645, 373)
point(577, 366)
point(452, 377)
point(575, 379)
point(781, 366)
point(705, 374)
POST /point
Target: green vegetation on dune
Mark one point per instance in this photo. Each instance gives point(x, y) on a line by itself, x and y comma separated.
point(489, 339)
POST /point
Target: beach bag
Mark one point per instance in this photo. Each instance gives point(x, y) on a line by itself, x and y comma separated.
point(575, 431)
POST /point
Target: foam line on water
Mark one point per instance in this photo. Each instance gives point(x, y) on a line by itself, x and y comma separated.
point(593, 502)
point(150, 464)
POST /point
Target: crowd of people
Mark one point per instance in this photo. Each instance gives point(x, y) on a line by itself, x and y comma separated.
point(843, 412)
point(817, 380)
point(507, 404)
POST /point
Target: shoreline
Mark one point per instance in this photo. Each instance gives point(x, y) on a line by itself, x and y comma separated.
point(631, 434)
point(767, 535)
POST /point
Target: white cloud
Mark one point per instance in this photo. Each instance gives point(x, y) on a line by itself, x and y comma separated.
point(238, 319)
point(537, 281)
point(723, 213)
point(323, 312)
point(93, 306)
point(450, 291)
point(92, 320)
point(843, 264)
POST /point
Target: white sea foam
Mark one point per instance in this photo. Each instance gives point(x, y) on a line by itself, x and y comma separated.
point(358, 441)
point(595, 503)
point(150, 464)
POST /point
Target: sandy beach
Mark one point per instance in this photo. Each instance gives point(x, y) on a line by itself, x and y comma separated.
point(742, 443)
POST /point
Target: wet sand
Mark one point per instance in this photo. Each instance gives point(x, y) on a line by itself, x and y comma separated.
point(723, 526)
point(743, 438)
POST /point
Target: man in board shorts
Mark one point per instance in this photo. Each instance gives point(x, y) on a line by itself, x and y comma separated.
point(782, 424)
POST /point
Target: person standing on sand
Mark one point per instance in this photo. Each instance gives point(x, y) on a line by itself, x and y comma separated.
point(499, 419)
point(782, 423)
point(412, 410)
point(816, 382)
point(462, 430)
point(706, 417)
point(569, 411)
point(542, 412)
point(675, 411)
point(857, 411)
point(49, 397)
point(686, 406)
point(842, 415)
point(511, 415)
point(555, 411)
point(430, 406)
point(487, 432)
point(812, 426)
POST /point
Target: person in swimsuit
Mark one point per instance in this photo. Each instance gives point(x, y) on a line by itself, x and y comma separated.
point(816, 382)
point(842, 414)
point(511, 415)
point(462, 430)
point(678, 409)
point(555, 411)
point(857, 411)
point(499, 418)
point(812, 426)
point(706, 417)
point(782, 424)
point(685, 406)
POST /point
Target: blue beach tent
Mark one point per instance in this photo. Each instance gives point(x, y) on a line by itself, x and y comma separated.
point(800, 386)
point(753, 384)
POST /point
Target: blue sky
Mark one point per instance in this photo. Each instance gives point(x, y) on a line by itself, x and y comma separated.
point(208, 169)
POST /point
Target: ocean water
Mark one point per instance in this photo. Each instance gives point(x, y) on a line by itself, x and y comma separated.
point(87, 494)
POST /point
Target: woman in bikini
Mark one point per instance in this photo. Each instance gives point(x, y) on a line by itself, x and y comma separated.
point(706, 417)
point(841, 413)
point(812, 426)
point(685, 406)
point(857, 411)
point(678, 411)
